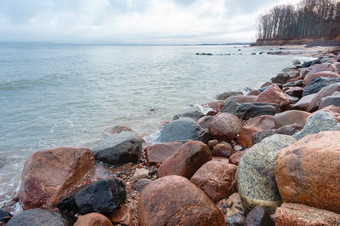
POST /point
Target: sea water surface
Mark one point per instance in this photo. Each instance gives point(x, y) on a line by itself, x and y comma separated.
point(71, 95)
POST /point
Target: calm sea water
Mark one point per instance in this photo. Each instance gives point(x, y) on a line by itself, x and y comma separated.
point(71, 95)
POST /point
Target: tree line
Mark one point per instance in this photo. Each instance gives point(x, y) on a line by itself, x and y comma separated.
point(308, 19)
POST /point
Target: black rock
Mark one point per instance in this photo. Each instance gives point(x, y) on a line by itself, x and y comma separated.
point(259, 136)
point(119, 149)
point(225, 95)
point(256, 217)
point(4, 216)
point(182, 130)
point(41, 217)
point(246, 111)
point(235, 220)
point(317, 84)
point(103, 196)
point(195, 115)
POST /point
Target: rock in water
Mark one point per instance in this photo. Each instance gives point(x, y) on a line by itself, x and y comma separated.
point(186, 161)
point(49, 174)
point(103, 196)
point(320, 121)
point(119, 149)
point(195, 115)
point(93, 219)
point(225, 127)
point(34, 217)
point(174, 200)
point(301, 215)
point(182, 130)
point(255, 174)
point(305, 167)
point(216, 179)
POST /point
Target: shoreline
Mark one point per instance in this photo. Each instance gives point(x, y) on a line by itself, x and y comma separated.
point(129, 170)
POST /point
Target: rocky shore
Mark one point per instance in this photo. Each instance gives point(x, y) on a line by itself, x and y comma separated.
point(268, 157)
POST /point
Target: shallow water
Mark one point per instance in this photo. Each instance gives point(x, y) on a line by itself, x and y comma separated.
point(71, 95)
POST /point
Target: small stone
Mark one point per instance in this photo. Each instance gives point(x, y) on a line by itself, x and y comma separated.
point(256, 216)
point(140, 174)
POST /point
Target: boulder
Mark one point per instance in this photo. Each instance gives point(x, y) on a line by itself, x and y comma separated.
point(306, 166)
point(225, 95)
point(274, 95)
point(291, 117)
point(41, 217)
point(222, 150)
point(103, 196)
point(139, 185)
point(309, 77)
point(333, 99)
point(293, 84)
point(259, 136)
point(174, 200)
point(322, 67)
point(159, 152)
point(246, 111)
point(195, 115)
point(186, 161)
point(205, 121)
point(304, 72)
point(119, 149)
point(216, 179)
point(321, 121)
point(317, 84)
point(301, 215)
point(255, 174)
point(225, 127)
point(332, 110)
point(324, 92)
point(254, 93)
point(254, 125)
point(294, 91)
point(213, 106)
point(236, 157)
point(93, 219)
point(304, 102)
point(289, 129)
point(292, 100)
point(122, 216)
point(281, 78)
point(266, 84)
point(241, 99)
point(52, 173)
point(257, 217)
point(183, 129)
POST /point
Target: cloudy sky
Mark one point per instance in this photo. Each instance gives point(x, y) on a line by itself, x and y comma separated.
point(132, 21)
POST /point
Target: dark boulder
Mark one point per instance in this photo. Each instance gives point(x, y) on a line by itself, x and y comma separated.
point(195, 115)
point(41, 217)
point(317, 84)
point(103, 196)
point(119, 149)
point(182, 130)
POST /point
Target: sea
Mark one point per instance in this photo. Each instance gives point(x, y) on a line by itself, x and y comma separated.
point(72, 95)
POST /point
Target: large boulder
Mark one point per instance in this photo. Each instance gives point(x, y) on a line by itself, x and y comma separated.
point(326, 74)
point(322, 67)
point(320, 121)
point(333, 99)
point(53, 173)
point(159, 152)
point(332, 110)
point(317, 84)
point(174, 200)
point(216, 179)
point(254, 125)
point(103, 196)
point(246, 111)
point(255, 174)
point(41, 217)
point(119, 149)
point(294, 91)
point(301, 215)
point(92, 219)
point(186, 160)
point(308, 165)
point(304, 102)
point(324, 92)
point(273, 94)
point(183, 129)
point(291, 117)
point(225, 127)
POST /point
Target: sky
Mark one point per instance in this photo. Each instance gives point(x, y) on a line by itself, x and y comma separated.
point(132, 21)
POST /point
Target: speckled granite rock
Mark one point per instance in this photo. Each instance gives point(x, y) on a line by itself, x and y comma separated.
point(321, 121)
point(255, 174)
